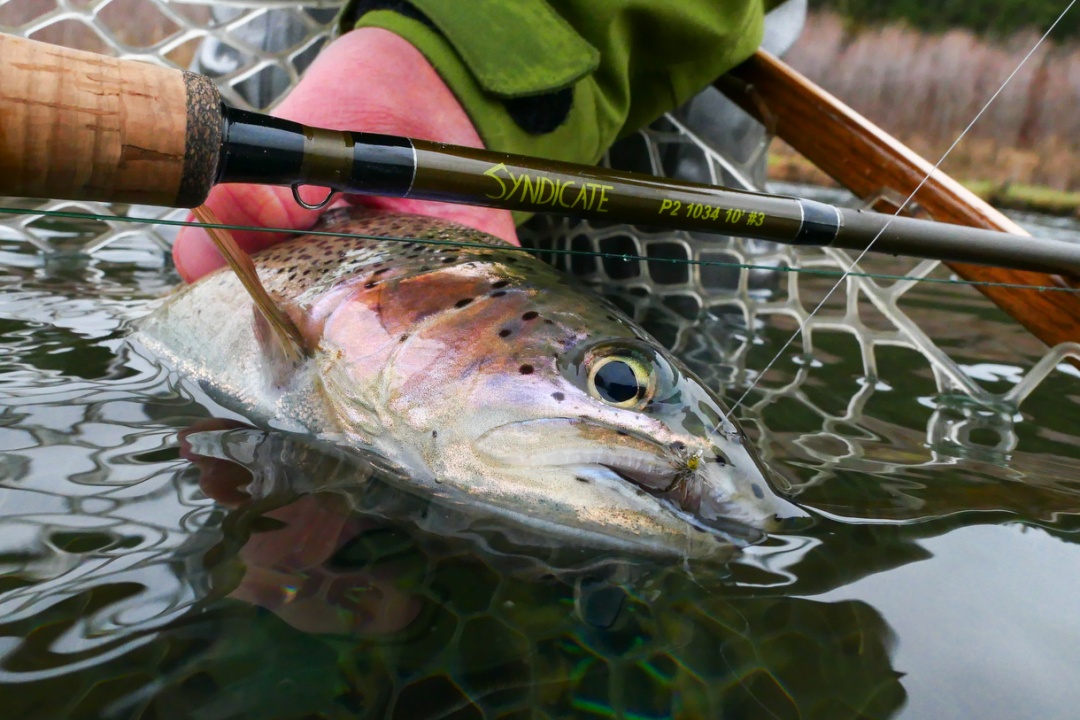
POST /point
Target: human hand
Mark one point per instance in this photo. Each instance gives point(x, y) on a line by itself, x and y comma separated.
point(368, 80)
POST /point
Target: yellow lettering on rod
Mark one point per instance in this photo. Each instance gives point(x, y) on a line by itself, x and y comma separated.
point(493, 173)
point(542, 184)
point(517, 184)
point(603, 197)
point(592, 196)
point(543, 190)
point(562, 190)
point(582, 197)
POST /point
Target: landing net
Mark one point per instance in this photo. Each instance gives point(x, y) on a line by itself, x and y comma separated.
point(894, 376)
point(725, 315)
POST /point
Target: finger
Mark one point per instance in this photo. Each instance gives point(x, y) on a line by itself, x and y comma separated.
point(403, 97)
point(392, 89)
point(499, 223)
point(248, 205)
point(311, 531)
point(196, 255)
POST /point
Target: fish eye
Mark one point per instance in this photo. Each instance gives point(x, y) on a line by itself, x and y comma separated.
point(622, 381)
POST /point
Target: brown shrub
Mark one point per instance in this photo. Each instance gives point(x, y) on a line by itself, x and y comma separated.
point(926, 89)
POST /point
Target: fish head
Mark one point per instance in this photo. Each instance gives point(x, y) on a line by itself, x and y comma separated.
point(678, 441)
point(625, 417)
point(532, 396)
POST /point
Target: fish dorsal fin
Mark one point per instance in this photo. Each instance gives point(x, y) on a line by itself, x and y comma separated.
point(279, 325)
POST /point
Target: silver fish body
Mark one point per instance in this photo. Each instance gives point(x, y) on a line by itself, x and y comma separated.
point(489, 378)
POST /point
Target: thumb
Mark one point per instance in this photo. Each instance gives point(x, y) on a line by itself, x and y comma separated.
point(371, 80)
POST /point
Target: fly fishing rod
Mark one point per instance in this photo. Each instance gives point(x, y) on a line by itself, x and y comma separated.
point(77, 125)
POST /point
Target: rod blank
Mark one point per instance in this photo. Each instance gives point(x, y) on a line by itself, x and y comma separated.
point(77, 125)
point(259, 148)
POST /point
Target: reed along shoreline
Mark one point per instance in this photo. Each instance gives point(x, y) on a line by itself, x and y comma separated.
point(924, 88)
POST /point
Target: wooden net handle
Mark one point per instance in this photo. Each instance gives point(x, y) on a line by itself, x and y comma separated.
point(81, 126)
point(865, 159)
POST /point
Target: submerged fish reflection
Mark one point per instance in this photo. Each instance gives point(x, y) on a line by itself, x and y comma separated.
point(379, 618)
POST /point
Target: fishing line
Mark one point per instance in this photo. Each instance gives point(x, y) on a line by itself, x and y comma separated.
point(781, 268)
point(907, 200)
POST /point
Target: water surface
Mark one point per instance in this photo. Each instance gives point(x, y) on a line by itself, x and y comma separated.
point(159, 559)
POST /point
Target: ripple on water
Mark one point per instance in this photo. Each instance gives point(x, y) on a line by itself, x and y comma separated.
point(267, 581)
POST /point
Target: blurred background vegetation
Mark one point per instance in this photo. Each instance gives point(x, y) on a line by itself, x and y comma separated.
point(994, 18)
point(922, 71)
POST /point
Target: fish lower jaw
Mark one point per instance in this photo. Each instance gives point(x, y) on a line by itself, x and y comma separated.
point(734, 518)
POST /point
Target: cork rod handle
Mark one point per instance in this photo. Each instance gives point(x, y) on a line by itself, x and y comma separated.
point(81, 126)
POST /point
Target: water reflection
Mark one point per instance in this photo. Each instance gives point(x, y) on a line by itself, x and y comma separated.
point(230, 573)
point(998, 592)
point(316, 603)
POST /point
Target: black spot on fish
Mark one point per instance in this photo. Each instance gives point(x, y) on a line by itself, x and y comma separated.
point(758, 492)
point(548, 322)
point(526, 369)
point(500, 284)
point(531, 315)
point(581, 479)
point(498, 293)
point(623, 433)
point(434, 433)
point(559, 397)
point(424, 268)
point(505, 333)
point(462, 303)
point(403, 338)
point(449, 259)
point(678, 445)
point(370, 284)
point(380, 272)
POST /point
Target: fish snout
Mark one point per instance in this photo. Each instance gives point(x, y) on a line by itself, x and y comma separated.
point(733, 495)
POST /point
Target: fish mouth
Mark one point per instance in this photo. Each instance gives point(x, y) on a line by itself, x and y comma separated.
point(684, 493)
point(654, 479)
point(634, 458)
point(595, 451)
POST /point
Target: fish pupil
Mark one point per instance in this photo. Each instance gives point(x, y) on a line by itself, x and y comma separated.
point(616, 382)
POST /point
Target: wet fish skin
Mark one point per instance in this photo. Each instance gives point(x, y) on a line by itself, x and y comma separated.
point(468, 368)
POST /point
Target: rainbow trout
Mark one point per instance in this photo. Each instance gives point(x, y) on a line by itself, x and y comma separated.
point(488, 378)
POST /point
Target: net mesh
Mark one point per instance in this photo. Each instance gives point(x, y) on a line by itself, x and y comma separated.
point(121, 549)
point(725, 319)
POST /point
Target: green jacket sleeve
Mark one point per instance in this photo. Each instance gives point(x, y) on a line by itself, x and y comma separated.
point(626, 62)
